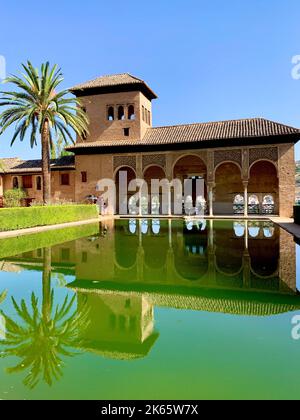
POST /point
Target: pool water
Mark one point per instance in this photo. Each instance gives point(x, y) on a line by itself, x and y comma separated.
point(150, 309)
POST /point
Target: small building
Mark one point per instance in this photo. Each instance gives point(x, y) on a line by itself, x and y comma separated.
point(248, 165)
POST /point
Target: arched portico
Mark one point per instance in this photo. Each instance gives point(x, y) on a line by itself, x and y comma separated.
point(264, 185)
point(228, 186)
point(154, 172)
point(130, 176)
point(194, 168)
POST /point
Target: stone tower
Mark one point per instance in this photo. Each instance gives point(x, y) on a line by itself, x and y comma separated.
point(119, 107)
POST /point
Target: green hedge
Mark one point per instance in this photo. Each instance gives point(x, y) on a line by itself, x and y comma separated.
point(27, 217)
point(10, 247)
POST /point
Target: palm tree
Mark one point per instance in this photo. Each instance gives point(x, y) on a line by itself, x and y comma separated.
point(58, 150)
point(3, 296)
point(46, 333)
point(36, 108)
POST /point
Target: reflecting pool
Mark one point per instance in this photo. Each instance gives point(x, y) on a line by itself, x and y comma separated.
point(150, 309)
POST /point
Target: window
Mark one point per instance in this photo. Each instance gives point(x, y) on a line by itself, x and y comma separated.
point(126, 132)
point(239, 229)
point(253, 202)
point(238, 204)
point(121, 113)
point(132, 226)
point(149, 117)
point(15, 183)
point(254, 229)
point(269, 230)
point(39, 183)
point(131, 114)
point(143, 112)
point(84, 257)
point(27, 181)
point(65, 254)
point(110, 114)
point(65, 179)
point(83, 176)
point(268, 205)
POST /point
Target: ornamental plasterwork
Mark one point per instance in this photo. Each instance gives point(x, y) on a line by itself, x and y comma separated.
point(268, 153)
point(228, 155)
point(159, 160)
point(124, 161)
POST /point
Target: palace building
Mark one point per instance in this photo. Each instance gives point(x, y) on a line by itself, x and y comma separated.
point(247, 165)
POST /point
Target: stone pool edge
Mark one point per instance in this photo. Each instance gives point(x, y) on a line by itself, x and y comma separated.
point(38, 229)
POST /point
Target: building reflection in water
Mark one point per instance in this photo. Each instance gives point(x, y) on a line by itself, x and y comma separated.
point(133, 266)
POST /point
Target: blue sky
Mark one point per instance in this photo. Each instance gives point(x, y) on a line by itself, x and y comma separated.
point(206, 59)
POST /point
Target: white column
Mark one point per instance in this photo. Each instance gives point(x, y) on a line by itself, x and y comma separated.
point(169, 202)
point(140, 202)
point(211, 233)
point(246, 235)
point(210, 199)
point(245, 183)
point(170, 233)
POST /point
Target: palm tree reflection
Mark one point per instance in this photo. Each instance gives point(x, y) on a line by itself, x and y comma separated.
point(45, 334)
point(3, 296)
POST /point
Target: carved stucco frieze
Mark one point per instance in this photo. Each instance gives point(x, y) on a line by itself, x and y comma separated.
point(267, 153)
point(234, 155)
point(158, 159)
point(125, 161)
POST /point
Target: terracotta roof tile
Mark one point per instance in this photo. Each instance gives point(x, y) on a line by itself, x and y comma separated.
point(111, 81)
point(202, 132)
point(16, 165)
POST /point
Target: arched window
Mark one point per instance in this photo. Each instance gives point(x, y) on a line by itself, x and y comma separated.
point(268, 205)
point(144, 227)
point(145, 205)
point(200, 205)
point(39, 183)
point(132, 205)
point(155, 227)
point(253, 204)
point(189, 225)
point(188, 205)
point(149, 117)
point(15, 183)
point(238, 204)
point(239, 229)
point(131, 114)
point(254, 229)
point(121, 113)
point(155, 205)
point(111, 113)
point(132, 226)
point(269, 230)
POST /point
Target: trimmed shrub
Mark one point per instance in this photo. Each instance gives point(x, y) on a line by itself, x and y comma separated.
point(27, 217)
point(10, 247)
point(13, 198)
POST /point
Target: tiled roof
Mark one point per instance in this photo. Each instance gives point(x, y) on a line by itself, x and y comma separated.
point(229, 304)
point(202, 132)
point(16, 165)
point(112, 81)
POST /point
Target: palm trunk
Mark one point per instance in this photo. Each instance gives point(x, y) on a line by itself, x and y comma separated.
point(47, 284)
point(46, 163)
